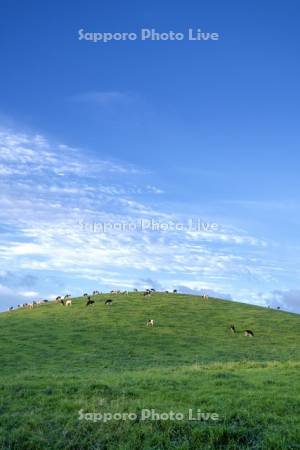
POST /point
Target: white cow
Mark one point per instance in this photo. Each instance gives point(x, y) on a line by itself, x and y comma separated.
point(150, 323)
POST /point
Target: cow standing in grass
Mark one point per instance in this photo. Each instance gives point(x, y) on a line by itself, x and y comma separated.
point(150, 323)
point(108, 301)
point(90, 302)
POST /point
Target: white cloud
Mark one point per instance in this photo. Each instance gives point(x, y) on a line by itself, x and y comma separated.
point(18, 249)
point(288, 299)
point(28, 294)
point(56, 188)
point(26, 154)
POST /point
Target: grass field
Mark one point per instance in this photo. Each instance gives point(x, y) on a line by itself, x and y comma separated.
point(56, 361)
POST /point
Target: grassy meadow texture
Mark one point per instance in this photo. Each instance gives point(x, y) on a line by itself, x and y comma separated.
point(56, 361)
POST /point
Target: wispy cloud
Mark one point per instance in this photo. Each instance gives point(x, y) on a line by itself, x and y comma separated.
point(288, 299)
point(28, 294)
point(34, 155)
point(47, 190)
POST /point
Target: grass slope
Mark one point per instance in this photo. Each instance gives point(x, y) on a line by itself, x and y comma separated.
point(56, 361)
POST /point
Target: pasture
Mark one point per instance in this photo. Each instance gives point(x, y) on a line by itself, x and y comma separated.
point(56, 361)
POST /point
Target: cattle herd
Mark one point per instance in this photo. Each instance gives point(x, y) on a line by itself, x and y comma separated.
point(67, 301)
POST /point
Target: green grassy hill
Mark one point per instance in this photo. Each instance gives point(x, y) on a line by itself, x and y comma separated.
point(56, 361)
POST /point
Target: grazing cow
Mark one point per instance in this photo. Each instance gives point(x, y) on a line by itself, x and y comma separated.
point(150, 323)
point(108, 301)
point(69, 303)
point(90, 302)
point(249, 333)
point(147, 294)
point(10, 308)
point(174, 291)
point(232, 328)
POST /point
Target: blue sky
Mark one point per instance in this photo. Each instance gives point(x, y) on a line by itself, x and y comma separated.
point(118, 133)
